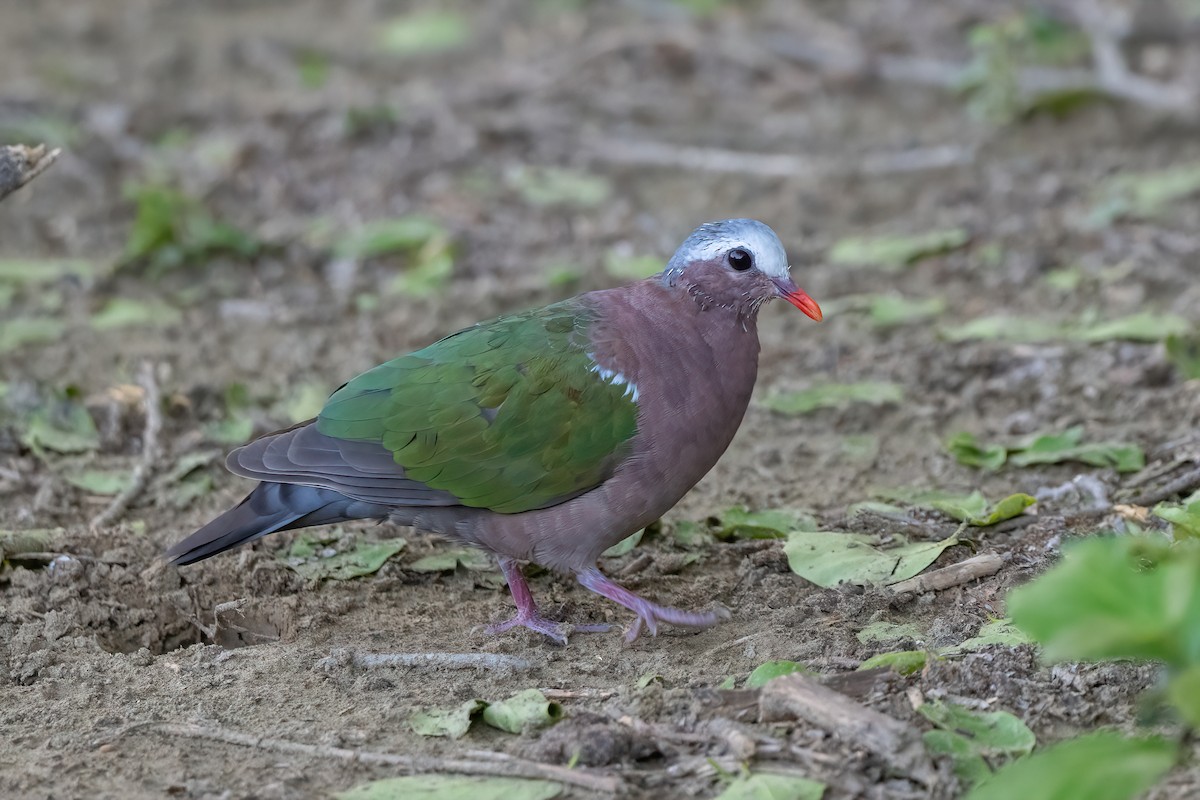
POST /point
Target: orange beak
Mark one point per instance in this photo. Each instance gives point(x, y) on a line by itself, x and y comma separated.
point(797, 297)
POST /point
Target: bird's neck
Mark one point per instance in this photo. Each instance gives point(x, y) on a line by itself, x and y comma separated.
point(742, 310)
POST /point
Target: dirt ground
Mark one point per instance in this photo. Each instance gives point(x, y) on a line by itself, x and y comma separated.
point(109, 636)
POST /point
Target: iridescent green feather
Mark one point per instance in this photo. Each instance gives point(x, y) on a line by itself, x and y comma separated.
point(507, 415)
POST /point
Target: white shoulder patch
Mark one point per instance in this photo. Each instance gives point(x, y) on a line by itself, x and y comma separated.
point(615, 378)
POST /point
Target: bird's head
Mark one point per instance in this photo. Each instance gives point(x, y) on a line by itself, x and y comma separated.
point(738, 264)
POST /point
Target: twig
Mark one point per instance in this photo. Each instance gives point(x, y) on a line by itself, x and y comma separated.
point(142, 470)
point(502, 765)
point(574, 694)
point(493, 661)
point(1184, 483)
point(979, 566)
point(772, 165)
point(1111, 76)
point(20, 164)
point(895, 743)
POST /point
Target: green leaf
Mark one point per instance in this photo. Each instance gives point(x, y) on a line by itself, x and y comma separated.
point(453, 787)
point(1184, 518)
point(308, 542)
point(1142, 327)
point(1183, 692)
point(1012, 506)
point(1183, 350)
point(967, 450)
point(452, 722)
point(1066, 446)
point(863, 447)
point(700, 8)
point(834, 395)
point(52, 129)
point(561, 275)
point(523, 711)
point(1066, 279)
point(691, 534)
point(1145, 326)
point(123, 312)
point(881, 631)
point(1115, 598)
point(99, 481)
point(189, 489)
point(649, 678)
point(765, 786)
point(972, 508)
point(997, 631)
point(368, 119)
point(1096, 766)
point(1003, 327)
point(32, 271)
point(554, 186)
point(424, 32)
point(624, 546)
point(305, 402)
point(313, 68)
point(631, 268)
point(1143, 195)
point(471, 558)
point(829, 558)
point(739, 522)
point(365, 558)
point(906, 662)
point(894, 252)
point(63, 426)
point(974, 739)
point(890, 311)
point(171, 229)
point(1053, 448)
point(390, 236)
point(232, 430)
point(20, 331)
point(764, 673)
point(428, 276)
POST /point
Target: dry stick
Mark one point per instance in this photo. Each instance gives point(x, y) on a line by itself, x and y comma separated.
point(141, 472)
point(1184, 483)
point(979, 566)
point(800, 697)
point(1111, 75)
point(493, 661)
point(772, 165)
point(500, 765)
point(20, 164)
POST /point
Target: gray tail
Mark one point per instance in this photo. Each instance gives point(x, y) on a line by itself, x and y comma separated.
point(269, 508)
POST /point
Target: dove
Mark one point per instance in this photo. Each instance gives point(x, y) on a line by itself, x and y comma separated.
point(544, 436)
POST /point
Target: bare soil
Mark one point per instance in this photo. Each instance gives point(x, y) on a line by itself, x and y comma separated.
point(110, 636)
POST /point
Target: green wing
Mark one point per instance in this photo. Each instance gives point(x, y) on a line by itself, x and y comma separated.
point(509, 415)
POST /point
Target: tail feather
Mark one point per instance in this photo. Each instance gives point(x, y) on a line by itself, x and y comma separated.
point(269, 508)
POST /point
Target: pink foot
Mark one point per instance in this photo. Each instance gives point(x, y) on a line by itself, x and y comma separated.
point(648, 614)
point(528, 615)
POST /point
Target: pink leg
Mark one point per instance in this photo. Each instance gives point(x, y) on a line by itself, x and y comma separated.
point(648, 614)
point(528, 615)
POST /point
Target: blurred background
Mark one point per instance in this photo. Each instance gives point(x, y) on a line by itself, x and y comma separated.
point(996, 203)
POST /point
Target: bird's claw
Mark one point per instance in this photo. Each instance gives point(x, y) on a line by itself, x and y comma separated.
point(648, 614)
point(651, 614)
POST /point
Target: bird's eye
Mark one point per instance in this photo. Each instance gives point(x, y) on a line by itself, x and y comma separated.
point(740, 259)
